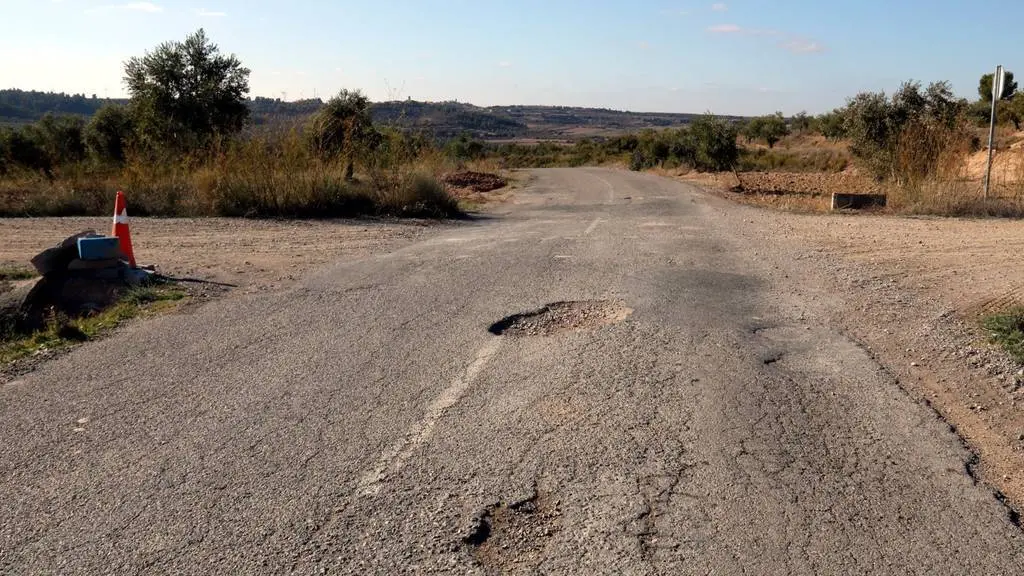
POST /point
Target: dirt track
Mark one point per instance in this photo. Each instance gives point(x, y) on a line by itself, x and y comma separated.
point(254, 254)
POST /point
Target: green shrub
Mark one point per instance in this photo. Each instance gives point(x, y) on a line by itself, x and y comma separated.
point(771, 129)
point(875, 123)
point(831, 125)
point(108, 134)
point(61, 138)
point(714, 144)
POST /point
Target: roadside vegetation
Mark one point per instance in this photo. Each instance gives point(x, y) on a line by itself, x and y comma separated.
point(1006, 329)
point(185, 144)
point(9, 273)
point(61, 331)
point(921, 146)
point(182, 147)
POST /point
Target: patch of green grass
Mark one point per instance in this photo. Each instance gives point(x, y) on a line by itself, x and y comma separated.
point(1007, 330)
point(62, 331)
point(10, 272)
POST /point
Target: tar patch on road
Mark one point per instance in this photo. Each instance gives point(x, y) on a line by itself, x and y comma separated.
point(516, 534)
point(562, 317)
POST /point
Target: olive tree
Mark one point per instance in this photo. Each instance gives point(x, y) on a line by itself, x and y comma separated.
point(183, 94)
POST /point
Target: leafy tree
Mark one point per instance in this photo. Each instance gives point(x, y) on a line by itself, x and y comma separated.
point(343, 128)
point(22, 148)
point(61, 138)
point(773, 128)
point(753, 129)
point(831, 125)
point(186, 93)
point(875, 123)
point(714, 142)
point(985, 87)
point(466, 148)
point(107, 134)
point(1013, 111)
point(802, 122)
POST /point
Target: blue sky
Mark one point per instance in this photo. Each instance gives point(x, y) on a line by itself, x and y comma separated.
point(735, 57)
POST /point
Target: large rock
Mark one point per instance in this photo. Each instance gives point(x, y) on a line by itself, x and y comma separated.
point(59, 257)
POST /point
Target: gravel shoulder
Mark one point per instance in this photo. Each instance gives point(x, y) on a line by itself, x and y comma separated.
point(255, 255)
point(912, 292)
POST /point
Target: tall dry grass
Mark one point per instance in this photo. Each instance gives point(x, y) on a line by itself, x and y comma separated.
point(933, 175)
point(792, 160)
point(259, 177)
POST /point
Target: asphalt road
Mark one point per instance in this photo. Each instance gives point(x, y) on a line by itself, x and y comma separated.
point(366, 421)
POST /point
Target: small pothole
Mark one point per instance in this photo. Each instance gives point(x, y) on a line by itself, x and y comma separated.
point(512, 537)
point(562, 317)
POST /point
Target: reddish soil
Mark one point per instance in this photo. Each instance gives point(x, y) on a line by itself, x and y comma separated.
point(475, 181)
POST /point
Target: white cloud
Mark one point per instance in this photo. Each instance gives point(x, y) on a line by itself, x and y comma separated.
point(504, 64)
point(131, 6)
point(794, 44)
point(719, 7)
point(203, 12)
point(143, 7)
point(643, 45)
point(725, 29)
point(800, 46)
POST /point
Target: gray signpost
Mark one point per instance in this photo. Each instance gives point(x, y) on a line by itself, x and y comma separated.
point(998, 85)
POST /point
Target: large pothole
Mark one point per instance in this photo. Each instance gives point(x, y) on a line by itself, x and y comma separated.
point(562, 317)
point(513, 537)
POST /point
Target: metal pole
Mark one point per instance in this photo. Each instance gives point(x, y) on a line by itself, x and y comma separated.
point(992, 128)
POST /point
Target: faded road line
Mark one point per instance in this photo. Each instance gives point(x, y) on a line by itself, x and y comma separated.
point(611, 189)
point(592, 226)
point(394, 457)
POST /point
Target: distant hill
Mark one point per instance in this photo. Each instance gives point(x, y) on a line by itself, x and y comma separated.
point(442, 119)
point(22, 106)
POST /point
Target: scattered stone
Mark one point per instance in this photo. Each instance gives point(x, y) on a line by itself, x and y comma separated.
point(475, 181)
point(562, 317)
point(69, 287)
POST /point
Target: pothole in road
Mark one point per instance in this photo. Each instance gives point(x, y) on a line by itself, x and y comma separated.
point(503, 536)
point(562, 317)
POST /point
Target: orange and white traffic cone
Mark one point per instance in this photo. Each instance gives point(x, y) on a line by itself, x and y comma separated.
point(120, 230)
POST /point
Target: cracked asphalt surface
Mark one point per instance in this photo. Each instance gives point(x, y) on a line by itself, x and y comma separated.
point(366, 421)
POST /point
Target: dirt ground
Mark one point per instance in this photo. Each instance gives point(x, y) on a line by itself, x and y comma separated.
point(252, 254)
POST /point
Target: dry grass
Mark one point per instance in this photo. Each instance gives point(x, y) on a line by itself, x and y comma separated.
point(793, 160)
point(252, 178)
point(941, 175)
point(936, 172)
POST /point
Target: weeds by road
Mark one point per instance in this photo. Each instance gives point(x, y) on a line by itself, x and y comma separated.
point(1007, 330)
point(61, 331)
point(10, 273)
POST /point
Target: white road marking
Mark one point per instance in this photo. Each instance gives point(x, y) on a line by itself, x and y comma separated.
point(392, 459)
point(611, 189)
point(561, 257)
point(592, 226)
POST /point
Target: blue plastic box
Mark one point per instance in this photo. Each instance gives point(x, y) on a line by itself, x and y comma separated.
point(98, 248)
